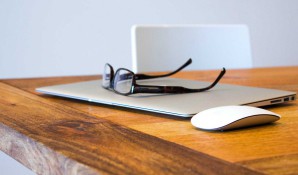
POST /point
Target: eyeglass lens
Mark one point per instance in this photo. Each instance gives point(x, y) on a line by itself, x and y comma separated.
point(123, 81)
point(106, 79)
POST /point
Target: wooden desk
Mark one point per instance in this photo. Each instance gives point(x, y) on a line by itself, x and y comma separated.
point(53, 135)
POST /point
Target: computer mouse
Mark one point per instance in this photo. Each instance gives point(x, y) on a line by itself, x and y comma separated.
point(232, 117)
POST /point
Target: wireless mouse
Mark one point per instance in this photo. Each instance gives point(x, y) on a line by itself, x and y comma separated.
point(232, 117)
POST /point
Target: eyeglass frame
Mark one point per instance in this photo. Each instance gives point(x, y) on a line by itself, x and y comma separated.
point(137, 88)
point(144, 76)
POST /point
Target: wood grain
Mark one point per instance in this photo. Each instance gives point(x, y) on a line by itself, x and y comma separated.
point(252, 147)
point(286, 164)
point(53, 139)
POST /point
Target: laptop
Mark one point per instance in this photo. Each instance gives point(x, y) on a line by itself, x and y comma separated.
point(182, 105)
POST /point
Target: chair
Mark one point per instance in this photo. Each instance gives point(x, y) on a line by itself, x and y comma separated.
point(166, 47)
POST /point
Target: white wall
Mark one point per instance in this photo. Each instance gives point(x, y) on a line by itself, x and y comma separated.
point(76, 37)
point(9, 166)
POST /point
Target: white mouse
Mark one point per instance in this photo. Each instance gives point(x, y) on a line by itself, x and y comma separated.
point(232, 117)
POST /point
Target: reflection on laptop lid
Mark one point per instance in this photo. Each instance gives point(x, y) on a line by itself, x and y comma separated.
point(183, 105)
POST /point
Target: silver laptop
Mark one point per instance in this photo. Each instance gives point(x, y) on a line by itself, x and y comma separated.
point(183, 105)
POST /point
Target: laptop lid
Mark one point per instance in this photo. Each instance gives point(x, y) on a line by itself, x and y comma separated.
point(183, 105)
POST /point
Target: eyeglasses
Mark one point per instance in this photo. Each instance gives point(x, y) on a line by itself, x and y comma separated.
point(124, 81)
point(108, 75)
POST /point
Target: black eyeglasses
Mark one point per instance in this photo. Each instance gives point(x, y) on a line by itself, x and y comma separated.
point(124, 81)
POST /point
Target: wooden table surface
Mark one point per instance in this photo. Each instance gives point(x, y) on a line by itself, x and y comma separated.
point(53, 135)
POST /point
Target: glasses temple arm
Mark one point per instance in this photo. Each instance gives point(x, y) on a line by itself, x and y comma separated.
point(144, 76)
point(222, 73)
point(174, 89)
